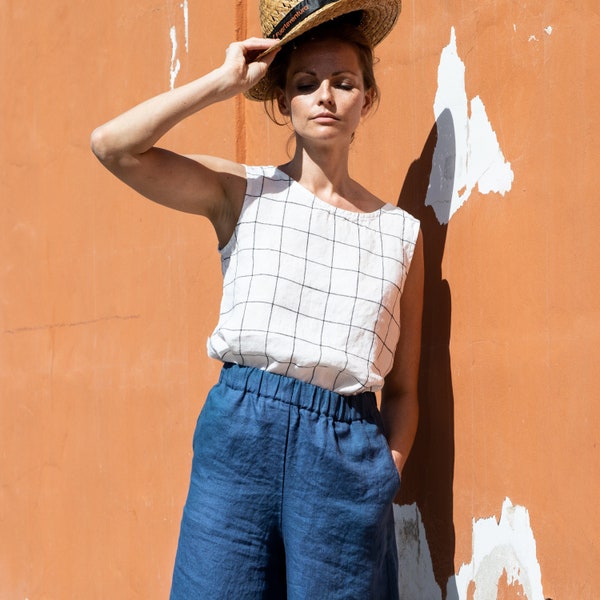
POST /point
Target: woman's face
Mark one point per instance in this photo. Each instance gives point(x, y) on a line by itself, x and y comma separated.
point(324, 96)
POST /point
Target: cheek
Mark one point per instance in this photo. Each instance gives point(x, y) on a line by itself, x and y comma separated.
point(296, 106)
point(358, 107)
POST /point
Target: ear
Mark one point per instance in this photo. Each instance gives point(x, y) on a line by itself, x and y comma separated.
point(282, 103)
point(368, 103)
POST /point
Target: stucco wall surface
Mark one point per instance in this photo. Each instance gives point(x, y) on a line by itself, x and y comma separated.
point(488, 132)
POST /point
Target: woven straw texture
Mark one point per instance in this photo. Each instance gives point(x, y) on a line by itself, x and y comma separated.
point(379, 17)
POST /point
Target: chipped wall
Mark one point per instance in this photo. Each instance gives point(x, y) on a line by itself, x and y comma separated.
point(488, 132)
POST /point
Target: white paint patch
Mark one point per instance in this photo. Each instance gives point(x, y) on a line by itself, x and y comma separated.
point(415, 569)
point(184, 7)
point(175, 64)
point(547, 30)
point(467, 153)
point(486, 166)
point(500, 548)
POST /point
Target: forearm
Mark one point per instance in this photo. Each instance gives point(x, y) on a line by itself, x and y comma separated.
point(399, 399)
point(138, 129)
point(400, 414)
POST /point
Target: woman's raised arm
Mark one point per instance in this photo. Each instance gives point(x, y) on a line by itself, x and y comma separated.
point(203, 185)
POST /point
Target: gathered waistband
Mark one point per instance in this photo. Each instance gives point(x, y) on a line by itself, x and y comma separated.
point(298, 393)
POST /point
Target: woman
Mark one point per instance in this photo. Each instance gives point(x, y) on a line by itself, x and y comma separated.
point(295, 469)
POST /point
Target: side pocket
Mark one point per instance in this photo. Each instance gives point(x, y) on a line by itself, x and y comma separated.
point(390, 465)
point(394, 475)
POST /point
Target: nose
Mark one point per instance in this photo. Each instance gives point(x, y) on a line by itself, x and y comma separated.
point(326, 93)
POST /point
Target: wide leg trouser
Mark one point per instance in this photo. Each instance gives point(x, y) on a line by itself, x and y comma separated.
point(290, 495)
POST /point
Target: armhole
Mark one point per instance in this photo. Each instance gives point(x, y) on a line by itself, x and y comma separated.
point(253, 176)
point(414, 228)
point(410, 238)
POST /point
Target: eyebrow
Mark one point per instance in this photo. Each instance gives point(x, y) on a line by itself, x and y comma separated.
point(334, 74)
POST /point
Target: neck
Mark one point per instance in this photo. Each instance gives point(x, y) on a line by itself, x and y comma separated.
point(323, 170)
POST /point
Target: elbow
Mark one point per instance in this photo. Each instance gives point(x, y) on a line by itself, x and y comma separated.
point(105, 147)
point(100, 145)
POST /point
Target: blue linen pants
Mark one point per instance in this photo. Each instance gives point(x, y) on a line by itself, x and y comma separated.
point(290, 495)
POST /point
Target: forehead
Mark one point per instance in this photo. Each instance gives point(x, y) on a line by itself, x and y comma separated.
point(325, 55)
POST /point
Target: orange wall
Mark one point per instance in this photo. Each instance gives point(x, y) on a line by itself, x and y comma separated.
point(106, 299)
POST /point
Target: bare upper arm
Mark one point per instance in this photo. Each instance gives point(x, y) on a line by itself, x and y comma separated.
point(203, 185)
point(231, 182)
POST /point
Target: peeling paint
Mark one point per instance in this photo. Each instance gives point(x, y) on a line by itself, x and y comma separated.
point(503, 551)
point(415, 569)
point(467, 152)
point(500, 548)
point(175, 64)
point(184, 7)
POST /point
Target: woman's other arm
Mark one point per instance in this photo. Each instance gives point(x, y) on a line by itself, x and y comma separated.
point(399, 400)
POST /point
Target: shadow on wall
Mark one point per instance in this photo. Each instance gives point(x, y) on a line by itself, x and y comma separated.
point(428, 475)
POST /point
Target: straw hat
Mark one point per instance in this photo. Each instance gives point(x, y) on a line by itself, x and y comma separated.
point(287, 19)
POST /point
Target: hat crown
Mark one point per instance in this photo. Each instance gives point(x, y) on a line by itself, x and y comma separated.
point(274, 14)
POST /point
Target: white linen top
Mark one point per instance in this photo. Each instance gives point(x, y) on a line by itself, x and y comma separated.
point(310, 290)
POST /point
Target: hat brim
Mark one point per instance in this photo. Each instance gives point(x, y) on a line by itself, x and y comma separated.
point(378, 19)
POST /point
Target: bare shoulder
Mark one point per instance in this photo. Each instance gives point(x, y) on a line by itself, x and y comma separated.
point(229, 172)
point(231, 176)
point(218, 164)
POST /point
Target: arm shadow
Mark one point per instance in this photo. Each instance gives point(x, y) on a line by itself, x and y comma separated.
point(427, 479)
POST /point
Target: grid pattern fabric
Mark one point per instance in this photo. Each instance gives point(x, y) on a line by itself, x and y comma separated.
point(312, 291)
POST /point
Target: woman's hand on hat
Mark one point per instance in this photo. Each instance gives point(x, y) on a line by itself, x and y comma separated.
point(246, 64)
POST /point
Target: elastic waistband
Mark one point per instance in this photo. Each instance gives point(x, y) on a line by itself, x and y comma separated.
point(305, 395)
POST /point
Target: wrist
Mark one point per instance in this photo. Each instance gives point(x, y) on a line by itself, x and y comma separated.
point(225, 85)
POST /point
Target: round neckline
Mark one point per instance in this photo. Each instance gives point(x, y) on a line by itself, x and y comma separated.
point(336, 209)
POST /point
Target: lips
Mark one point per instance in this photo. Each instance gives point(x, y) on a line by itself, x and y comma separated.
point(325, 117)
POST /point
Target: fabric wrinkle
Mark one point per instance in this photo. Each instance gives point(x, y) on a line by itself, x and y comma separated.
point(286, 497)
point(310, 290)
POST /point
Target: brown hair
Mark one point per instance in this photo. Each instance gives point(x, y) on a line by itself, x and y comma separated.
point(343, 29)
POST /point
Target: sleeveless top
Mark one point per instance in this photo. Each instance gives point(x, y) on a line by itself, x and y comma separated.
point(312, 291)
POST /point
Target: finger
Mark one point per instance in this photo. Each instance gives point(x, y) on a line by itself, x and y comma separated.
point(263, 57)
point(255, 43)
point(269, 52)
point(258, 47)
point(258, 69)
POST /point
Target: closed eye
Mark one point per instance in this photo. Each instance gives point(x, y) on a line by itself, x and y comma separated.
point(345, 83)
